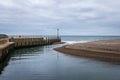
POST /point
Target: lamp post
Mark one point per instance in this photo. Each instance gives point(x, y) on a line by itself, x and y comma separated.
point(57, 33)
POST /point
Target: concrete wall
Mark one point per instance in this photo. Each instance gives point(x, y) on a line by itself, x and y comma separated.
point(5, 49)
point(4, 40)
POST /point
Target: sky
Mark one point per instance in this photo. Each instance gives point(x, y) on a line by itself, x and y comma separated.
point(72, 17)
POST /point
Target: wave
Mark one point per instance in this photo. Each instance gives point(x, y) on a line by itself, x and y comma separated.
point(73, 42)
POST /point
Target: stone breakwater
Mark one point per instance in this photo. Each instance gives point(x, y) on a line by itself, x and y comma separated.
point(8, 44)
point(108, 50)
point(5, 49)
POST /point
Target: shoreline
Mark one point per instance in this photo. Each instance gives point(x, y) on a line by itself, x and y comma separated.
point(106, 50)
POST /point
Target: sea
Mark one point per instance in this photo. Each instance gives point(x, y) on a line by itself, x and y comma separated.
point(43, 63)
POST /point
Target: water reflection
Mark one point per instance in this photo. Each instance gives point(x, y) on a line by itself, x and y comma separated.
point(4, 63)
point(19, 54)
point(25, 53)
point(43, 63)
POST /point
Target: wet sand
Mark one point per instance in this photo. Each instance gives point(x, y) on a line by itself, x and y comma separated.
point(108, 50)
point(58, 42)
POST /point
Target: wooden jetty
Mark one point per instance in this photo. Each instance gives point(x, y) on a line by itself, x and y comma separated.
point(8, 43)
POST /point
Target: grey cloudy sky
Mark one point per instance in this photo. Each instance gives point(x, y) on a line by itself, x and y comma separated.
point(73, 17)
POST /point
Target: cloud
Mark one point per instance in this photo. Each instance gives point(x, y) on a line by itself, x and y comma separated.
point(76, 16)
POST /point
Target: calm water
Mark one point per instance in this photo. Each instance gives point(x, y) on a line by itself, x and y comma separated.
point(43, 63)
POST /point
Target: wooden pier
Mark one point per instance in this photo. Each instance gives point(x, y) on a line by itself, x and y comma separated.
point(9, 43)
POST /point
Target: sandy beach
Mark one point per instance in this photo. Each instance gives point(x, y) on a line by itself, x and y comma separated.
point(108, 50)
